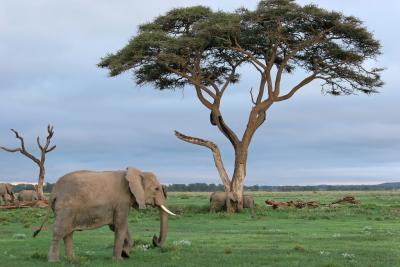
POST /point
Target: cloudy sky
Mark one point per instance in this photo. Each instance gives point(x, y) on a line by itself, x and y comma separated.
point(48, 74)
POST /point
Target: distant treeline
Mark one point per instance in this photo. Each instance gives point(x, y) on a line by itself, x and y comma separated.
point(203, 187)
point(47, 187)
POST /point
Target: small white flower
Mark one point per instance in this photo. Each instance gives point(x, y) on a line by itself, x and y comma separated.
point(274, 230)
point(324, 253)
point(144, 247)
point(348, 256)
point(182, 243)
point(336, 235)
point(367, 228)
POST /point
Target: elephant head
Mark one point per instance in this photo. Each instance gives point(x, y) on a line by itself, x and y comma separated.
point(10, 191)
point(147, 191)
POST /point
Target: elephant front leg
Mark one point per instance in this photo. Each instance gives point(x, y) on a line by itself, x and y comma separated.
point(119, 237)
point(128, 244)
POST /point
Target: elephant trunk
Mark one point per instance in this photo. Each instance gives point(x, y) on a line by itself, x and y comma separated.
point(158, 242)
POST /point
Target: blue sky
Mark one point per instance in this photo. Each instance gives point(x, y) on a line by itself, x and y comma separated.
point(48, 74)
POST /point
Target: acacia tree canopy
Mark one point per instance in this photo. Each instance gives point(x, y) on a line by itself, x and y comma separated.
point(198, 46)
point(203, 48)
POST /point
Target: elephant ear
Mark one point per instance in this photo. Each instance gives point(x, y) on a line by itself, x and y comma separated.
point(135, 180)
point(164, 190)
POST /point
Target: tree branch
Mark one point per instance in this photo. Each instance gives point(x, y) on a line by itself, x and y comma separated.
point(297, 87)
point(223, 127)
point(192, 80)
point(22, 150)
point(50, 149)
point(50, 131)
point(252, 98)
point(216, 153)
point(286, 59)
point(10, 150)
point(38, 143)
point(256, 62)
point(202, 99)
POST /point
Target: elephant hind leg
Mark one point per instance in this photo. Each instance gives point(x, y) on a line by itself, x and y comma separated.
point(61, 229)
point(69, 249)
point(54, 250)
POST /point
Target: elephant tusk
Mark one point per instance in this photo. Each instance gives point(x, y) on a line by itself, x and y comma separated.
point(167, 211)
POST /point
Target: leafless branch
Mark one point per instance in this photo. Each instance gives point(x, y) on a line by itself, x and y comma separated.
point(216, 153)
point(252, 98)
point(304, 82)
point(22, 149)
point(9, 149)
point(51, 149)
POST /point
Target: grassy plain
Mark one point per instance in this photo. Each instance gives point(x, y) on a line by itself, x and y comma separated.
point(349, 235)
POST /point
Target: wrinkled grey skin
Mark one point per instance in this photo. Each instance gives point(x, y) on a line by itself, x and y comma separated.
point(6, 192)
point(27, 195)
point(87, 200)
point(222, 201)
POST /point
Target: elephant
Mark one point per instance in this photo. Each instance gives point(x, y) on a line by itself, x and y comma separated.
point(88, 199)
point(28, 195)
point(220, 202)
point(248, 203)
point(7, 199)
point(6, 192)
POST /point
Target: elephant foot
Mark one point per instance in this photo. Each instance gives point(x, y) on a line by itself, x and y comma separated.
point(119, 258)
point(125, 254)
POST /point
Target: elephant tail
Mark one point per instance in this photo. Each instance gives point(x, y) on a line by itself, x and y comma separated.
point(50, 209)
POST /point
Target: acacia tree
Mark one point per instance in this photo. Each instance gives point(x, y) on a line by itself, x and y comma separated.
point(44, 149)
point(205, 49)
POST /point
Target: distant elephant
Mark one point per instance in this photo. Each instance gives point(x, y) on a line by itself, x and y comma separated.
point(248, 203)
point(87, 200)
point(222, 201)
point(6, 191)
point(28, 195)
point(8, 198)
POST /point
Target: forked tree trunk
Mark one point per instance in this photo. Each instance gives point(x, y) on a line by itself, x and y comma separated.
point(40, 185)
point(238, 176)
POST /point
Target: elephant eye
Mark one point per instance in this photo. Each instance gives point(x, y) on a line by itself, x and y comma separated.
point(157, 189)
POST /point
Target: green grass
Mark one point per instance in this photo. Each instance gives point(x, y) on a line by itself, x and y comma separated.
point(349, 235)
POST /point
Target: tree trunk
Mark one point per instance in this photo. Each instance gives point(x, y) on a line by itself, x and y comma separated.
point(40, 184)
point(238, 177)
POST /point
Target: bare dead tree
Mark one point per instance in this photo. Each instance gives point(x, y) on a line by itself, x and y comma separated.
point(44, 149)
